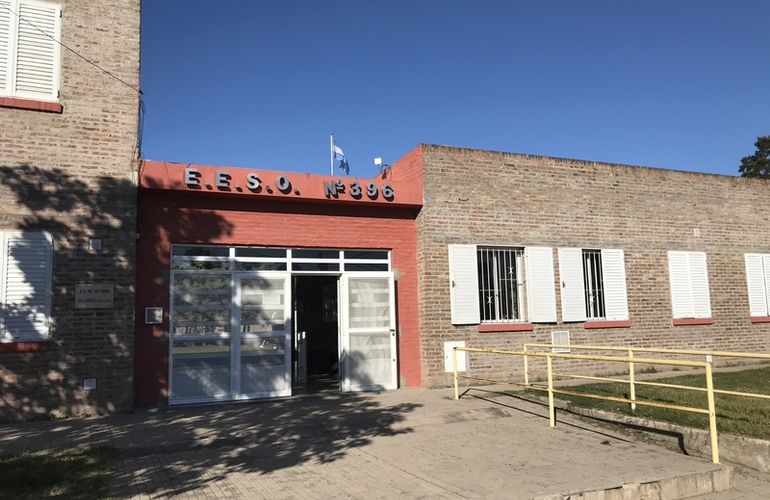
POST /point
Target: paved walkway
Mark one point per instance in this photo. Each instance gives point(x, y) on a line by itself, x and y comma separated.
point(406, 444)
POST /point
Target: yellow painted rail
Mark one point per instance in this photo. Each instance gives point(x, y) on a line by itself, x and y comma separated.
point(631, 352)
point(550, 356)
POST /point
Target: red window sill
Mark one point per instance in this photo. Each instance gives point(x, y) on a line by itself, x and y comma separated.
point(623, 323)
point(760, 319)
point(505, 327)
point(693, 321)
point(25, 346)
point(48, 107)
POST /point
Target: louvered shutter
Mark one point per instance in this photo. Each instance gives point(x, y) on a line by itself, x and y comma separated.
point(701, 299)
point(756, 280)
point(541, 297)
point(5, 45)
point(615, 293)
point(573, 306)
point(26, 291)
point(37, 51)
point(464, 285)
point(679, 276)
point(689, 285)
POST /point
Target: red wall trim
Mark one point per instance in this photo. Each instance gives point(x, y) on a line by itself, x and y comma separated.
point(693, 321)
point(45, 345)
point(505, 327)
point(623, 323)
point(13, 102)
point(760, 319)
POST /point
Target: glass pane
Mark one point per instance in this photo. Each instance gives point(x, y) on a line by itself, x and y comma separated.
point(200, 369)
point(264, 374)
point(260, 266)
point(272, 253)
point(199, 265)
point(370, 359)
point(200, 251)
point(313, 266)
point(263, 304)
point(369, 303)
point(367, 254)
point(305, 253)
point(366, 267)
point(202, 303)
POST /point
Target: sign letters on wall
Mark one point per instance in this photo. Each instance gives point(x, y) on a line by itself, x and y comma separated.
point(248, 181)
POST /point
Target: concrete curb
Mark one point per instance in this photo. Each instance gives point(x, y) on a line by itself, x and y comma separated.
point(737, 450)
point(679, 487)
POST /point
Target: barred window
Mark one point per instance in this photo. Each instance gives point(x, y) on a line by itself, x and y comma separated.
point(593, 283)
point(500, 281)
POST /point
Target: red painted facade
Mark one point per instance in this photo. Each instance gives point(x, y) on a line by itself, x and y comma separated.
point(183, 203)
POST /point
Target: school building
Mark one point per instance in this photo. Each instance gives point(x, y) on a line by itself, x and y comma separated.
point(130, 283)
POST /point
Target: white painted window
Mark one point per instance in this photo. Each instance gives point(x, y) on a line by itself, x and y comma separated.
point(758, 279)
point(30, 31)
point(25, 286)
point(689, 285)
point(593, 284)
point(501, 284)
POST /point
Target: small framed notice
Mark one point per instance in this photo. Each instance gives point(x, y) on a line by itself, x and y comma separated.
point(88, 296)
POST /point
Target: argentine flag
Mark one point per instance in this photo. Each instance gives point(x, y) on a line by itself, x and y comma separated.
point(339, 155)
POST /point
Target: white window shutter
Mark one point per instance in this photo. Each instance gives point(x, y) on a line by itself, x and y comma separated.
point(755, 278)
point(681, 293)
point(37, 50)
point(615, 293)
point(464, 285)
point(701, 298)
point(573, 305)
point(26, 292)
point(541, 297)
point(5, 45)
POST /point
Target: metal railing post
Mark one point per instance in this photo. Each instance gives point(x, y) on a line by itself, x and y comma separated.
point(712, 415)
point(526, 366)
point(632, 386)
point(454, 370)
point(551, 409)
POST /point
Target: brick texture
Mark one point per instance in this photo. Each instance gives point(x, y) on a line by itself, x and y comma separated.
point(72, 173)
point(493, 198)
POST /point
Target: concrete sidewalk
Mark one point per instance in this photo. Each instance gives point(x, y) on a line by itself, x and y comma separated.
point(409, 443)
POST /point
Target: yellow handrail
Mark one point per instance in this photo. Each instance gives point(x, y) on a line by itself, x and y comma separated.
point(631, 350)
point(630, 359)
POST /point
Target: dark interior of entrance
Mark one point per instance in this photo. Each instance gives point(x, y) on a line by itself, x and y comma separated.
point(315, 314)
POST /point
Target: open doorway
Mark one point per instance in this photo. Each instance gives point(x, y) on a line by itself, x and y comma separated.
point(316, 333)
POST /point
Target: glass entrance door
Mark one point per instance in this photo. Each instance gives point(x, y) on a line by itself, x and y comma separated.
point(262, 339)
point(367, 332)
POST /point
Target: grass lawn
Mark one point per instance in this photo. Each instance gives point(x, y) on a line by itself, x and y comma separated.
point(741, 415)
point(80, 474)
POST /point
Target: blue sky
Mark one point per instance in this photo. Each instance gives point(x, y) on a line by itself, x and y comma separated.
point(261, 83)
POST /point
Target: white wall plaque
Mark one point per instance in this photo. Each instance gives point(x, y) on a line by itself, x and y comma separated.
point(89, 296)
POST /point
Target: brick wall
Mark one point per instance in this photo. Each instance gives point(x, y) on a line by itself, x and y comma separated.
point(492, 198)
point(71, 173)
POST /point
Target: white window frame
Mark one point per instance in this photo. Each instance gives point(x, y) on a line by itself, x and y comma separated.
point(464, 285)
point(26, 282)
point(688, 275)
point(30, 50)
point(574, 307)
point(758, 282)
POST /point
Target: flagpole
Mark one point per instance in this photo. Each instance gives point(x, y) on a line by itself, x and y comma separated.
point(331, 154)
